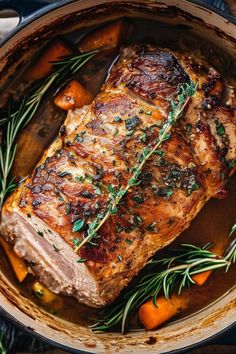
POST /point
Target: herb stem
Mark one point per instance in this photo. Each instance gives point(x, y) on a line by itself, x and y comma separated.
point(30, 103)
point(188, 261)
point(177, 109)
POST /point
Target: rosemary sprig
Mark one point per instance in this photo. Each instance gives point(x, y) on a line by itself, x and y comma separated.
point(2, 344)
point(233, 229)
point(17, 120)
point(115, 196)
point(177, 271)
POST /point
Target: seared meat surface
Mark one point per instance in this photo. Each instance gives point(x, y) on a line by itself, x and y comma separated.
point(97, 149)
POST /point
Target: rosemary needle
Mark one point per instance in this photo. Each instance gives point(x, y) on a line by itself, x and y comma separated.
point(2, 346)
point(18, 119)
point(176, 271)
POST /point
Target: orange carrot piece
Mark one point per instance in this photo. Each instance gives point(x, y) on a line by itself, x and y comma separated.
point(42, 65)
point(107, 37)
point(201, 278)
point(17, 263)
point(46, 296)
point(153, 317)
point(73, 96)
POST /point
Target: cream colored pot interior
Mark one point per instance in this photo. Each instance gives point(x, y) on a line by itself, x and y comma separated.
point(181, 334)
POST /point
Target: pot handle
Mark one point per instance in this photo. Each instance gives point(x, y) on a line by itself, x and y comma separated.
point(31, 9)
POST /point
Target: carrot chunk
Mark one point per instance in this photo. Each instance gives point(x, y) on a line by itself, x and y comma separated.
point(201, 278)
point(73, 96)
point(42, 65)
point(17, 263)
point(153, 317)
point(107, 37)
point(46, 296)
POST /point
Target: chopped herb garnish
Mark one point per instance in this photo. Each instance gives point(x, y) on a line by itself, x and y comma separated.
point(61, 198)
point(220, 128)
point(120, 258)
point(119, 228)
point(178, 106)
point(97, 190)
point(76, 242)
point(118, 174)
point(68, 208)
point(79, 178)
point(193, 187)
point(80, 137)
point(132, 123)
point(78, 224)
point(138, 199)
point(143, 138)
point(169, 193)
point(159, 153)
point(187, 127)
point(129, 242)
point(64, 173)
point(40, 233)
point(81, 260)
point(130, 133)
point(152, 226)
point(138, 218)
point(116, 131)
point(89, 178)
point(231, 164)
point(117, 119)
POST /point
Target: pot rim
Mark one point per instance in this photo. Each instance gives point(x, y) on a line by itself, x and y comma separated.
point(26, 22)
point(57, 345)
point(51, 7)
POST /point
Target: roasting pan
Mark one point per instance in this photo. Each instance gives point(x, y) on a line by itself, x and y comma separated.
point(40, 21)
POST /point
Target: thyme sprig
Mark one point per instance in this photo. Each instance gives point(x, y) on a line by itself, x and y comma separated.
point(177, 271)
point(16, 120)
point(115, 196)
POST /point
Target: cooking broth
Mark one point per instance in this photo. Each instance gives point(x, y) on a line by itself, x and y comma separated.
point(215, 219)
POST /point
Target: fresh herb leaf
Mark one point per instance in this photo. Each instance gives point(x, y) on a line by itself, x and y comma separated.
point(220, 128)
point(129, 242)
point(132, 122)
point(116, 131)
point(78, 224)
point(76, 242)
point(151, 227)
point(79, 178)
point(118, 119)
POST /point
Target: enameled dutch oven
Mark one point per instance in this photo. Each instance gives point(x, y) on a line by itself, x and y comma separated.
point(40, 21)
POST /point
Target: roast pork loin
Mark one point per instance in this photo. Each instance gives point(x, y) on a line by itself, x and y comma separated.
point(98, 146)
